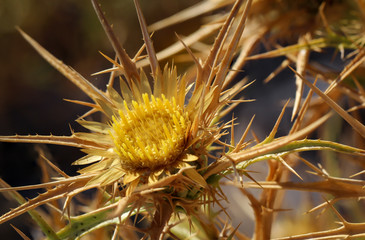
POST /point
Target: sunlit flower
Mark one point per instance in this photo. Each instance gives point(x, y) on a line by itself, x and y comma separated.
point(148, 134)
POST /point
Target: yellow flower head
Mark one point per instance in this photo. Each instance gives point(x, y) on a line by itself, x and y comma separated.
point(147, 135)
point(151, 135)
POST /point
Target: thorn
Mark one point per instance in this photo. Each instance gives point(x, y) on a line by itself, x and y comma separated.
point(155, 68)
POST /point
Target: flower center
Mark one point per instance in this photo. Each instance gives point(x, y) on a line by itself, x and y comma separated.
point(151, 135)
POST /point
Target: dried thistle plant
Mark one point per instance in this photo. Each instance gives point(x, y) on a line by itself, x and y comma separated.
point(159, 154)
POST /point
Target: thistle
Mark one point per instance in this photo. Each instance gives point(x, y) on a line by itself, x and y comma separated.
point(153, 156)
point(155, 136)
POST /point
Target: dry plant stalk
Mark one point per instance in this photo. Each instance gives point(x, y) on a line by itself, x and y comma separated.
point(160, 156)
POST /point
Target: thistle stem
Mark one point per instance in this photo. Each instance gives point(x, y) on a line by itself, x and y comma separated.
point(160, 219)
